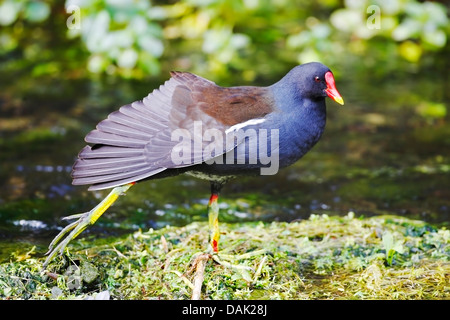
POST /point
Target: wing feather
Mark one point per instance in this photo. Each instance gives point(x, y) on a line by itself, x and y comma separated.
point(135, 142)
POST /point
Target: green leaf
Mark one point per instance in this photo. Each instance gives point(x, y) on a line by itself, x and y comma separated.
point(127, 58)
point(9, 11)
point(37, 11)
point(151, 45)
point(391, 246)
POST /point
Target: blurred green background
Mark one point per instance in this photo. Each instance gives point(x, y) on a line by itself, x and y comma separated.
point(64, 66)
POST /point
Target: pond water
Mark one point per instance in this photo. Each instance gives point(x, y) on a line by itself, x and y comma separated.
point(378, 155)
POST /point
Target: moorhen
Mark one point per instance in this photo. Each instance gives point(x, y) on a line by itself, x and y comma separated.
point(191, 125)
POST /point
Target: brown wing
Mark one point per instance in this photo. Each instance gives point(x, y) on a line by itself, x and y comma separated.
point(139, 139)
point(229, 106)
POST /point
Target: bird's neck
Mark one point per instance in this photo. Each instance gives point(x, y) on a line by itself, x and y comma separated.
point(302, 122)
point(304, 111)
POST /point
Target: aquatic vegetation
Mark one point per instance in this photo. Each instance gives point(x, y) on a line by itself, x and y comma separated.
point(387, 153)
point(323, 257)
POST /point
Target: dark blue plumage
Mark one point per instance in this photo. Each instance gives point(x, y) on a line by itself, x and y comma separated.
point(297, 123)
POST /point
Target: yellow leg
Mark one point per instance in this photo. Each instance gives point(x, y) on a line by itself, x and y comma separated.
point(85, 220)
point(213, 217)
point(214, 235)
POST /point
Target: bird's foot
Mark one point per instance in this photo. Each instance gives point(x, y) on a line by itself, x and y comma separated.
point(84, 220)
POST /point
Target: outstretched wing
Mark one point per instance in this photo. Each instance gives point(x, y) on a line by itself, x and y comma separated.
point(139, 140)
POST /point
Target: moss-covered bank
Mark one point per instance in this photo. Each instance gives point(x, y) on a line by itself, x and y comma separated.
point(384, 257)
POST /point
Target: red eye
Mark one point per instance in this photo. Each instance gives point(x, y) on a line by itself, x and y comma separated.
point(317, 79)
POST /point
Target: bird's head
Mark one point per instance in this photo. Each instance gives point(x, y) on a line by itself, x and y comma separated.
point(314, 81)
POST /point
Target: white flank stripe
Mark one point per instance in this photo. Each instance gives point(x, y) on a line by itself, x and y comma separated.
point(244, 124)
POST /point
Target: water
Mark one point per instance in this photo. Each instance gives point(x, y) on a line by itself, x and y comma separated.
point(378, 155)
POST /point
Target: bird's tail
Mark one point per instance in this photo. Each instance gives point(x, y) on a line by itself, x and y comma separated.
point(105, 166)
point(121, 153)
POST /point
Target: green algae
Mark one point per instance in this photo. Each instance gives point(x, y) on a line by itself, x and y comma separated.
point(323, 257)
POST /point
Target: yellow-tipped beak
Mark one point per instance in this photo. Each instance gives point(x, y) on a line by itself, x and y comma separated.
point(339, 100)
point(331, 88)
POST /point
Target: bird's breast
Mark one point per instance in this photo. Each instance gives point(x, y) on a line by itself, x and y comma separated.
point(298, 133)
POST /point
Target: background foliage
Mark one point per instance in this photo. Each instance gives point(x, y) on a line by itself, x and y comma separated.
point(137, 38)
